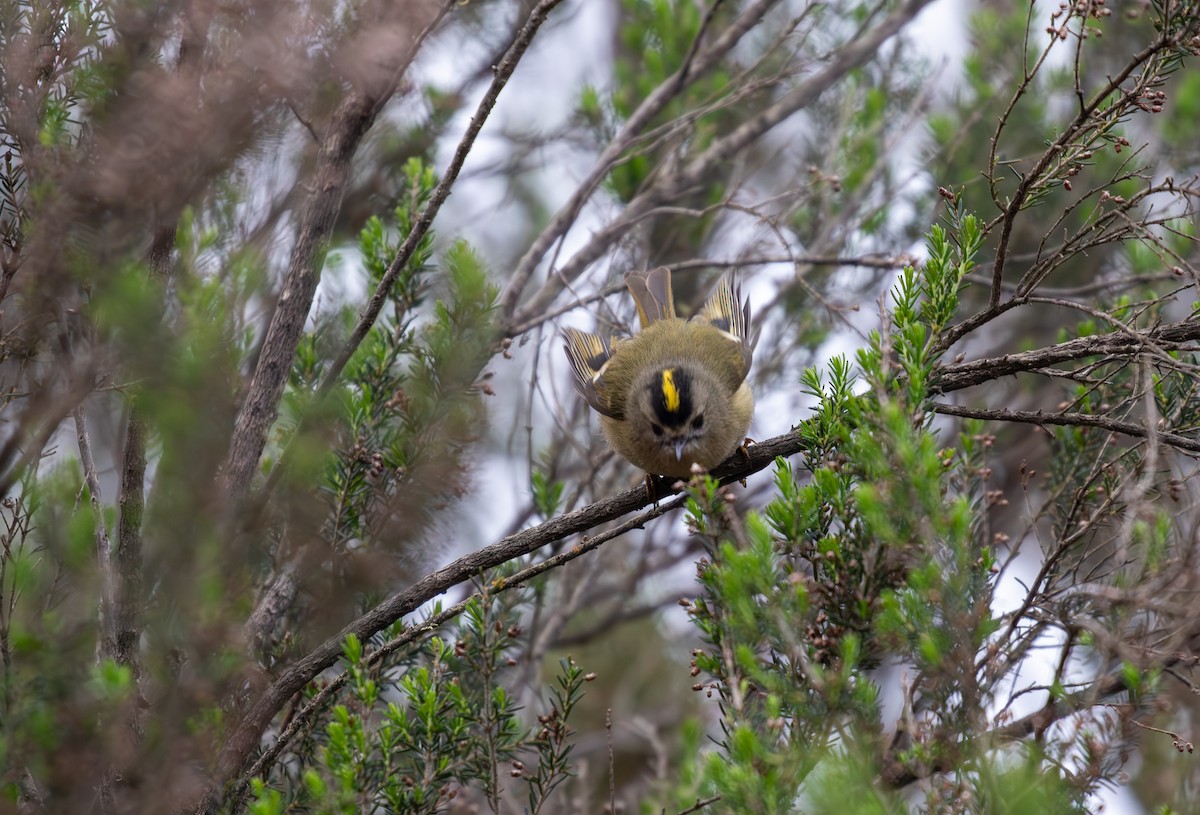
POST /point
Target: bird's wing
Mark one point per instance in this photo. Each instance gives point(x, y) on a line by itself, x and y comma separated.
point(725, 311)
point(589, 354)
point(652, 293)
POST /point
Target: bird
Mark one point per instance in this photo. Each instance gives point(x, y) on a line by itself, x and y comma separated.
point(674, 396)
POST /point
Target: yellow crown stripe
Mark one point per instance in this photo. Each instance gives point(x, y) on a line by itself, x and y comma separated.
point(670, 391)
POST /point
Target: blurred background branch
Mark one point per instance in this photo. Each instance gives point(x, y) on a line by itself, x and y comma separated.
point(299, 513)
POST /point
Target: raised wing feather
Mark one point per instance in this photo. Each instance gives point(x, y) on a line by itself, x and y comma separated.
point(725, 311)
point(652, 293)
point(589, 354)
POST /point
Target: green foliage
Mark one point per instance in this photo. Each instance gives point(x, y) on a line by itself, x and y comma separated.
point(845, 783)
point(656, 38)
point(547, 494)
point(877, 555)
point(1180, 125)
point(409, 398)
point(146, 304)
point(265, 801)
point(111, 681)
point(553, 747)
point(1008, 787)
point(423, 727)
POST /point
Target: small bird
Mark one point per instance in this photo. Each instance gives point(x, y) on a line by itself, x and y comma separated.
point(675, 394)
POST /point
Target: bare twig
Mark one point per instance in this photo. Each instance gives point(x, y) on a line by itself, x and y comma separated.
point(670, 186)
point(1171, 336)
point(349, 125)
point(108, 637)
point(245, 736)
point(501, 74)
point(1082, 120)
point(1038, 417)
point(630, 131)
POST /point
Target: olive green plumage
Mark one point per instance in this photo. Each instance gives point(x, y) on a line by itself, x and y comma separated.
point(675, 394)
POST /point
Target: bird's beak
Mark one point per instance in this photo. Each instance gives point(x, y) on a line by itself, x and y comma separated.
point(679, 451)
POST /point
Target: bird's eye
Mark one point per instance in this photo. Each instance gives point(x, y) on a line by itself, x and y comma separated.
point(657, 428)
point(698, 422)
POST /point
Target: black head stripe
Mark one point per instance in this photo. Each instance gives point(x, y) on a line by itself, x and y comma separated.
point(723, 323)
point(671, 396)
point(596, 361)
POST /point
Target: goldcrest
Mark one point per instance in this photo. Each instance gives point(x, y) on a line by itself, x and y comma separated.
point(675, 394)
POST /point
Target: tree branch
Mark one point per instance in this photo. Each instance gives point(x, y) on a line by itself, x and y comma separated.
point(108, 638)
point(248, 732)
point(349, 125)
point(277, 597)
point(502, 72)
point(128, 594)
point(1067, 419)
point(259, 409)
point(425, 627)
point(896, 773)
point(1077, 125)
point(625, 138)
point(670, 186)
point(967, 374)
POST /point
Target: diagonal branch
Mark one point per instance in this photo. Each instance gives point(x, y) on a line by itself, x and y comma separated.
point(502, 72)
point(1067, 419)
point(413, 633)
point(246, 736)
point(348, 126)
point(671, 185)
point(967, 374)
point(277, 598)
point(629, 133)
point(350, 123)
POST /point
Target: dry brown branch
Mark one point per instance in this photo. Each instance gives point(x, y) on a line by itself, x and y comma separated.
point(1039, 417)
point(1163, 339)
point(259, 408)
point(629, 134)
point(246, 735)
point(129, 594)
point(277, 597)
point(668, 186)
point(108, 635)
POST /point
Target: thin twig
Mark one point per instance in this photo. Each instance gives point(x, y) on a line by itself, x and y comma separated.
point(108, 635)
point(1038, 417)
point(502, 72)
point(436, 621)
point(612, 763)
point(1171, 336)
point(1034, 176)
point(350, 124)
point(245, 737)
point(630, 131)
point(692, 175)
